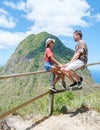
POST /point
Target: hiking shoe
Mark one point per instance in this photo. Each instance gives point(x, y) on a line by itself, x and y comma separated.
point(53, 89)
point(73, 84)
point(80, 83)
point(62, 84)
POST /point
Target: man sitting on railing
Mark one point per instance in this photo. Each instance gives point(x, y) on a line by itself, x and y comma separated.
point(79, 59)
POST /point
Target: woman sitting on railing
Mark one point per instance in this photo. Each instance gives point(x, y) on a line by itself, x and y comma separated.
point(51, 64)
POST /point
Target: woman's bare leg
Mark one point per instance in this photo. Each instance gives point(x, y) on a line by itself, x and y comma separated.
point(57, 73)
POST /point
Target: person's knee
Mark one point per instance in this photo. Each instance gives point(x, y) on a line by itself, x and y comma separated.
point(72, 72)
point(59, 75)
point(53, 70)
point(62, 70)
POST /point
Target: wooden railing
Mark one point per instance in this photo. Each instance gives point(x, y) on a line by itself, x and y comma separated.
point(51, 94)
point(32, 100)
point(97, 63)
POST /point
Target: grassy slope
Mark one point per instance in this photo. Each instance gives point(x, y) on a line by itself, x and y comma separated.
point(28, 57)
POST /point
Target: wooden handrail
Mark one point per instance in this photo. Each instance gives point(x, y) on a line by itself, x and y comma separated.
point(93, 64)
point(21, 74)
point(37, 72)
point(51, 99)
point(22, 105)
point(30, 101)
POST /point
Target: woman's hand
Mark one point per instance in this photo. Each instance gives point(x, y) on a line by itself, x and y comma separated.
point(60, 65)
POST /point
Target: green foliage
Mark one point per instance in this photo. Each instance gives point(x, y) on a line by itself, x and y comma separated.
point(74, 101)
point(28, 57)
point(1, 68)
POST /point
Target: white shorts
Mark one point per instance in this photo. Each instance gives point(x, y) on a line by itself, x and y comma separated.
point(76, 65)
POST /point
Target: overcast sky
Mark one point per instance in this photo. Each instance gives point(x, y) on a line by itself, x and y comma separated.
point(20, 18)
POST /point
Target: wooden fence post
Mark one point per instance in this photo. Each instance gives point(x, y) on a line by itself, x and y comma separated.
point(51, 102)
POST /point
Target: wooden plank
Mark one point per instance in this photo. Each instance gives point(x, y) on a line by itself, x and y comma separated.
point(51, 102)
point(93, 64)
point(21, 74)
point(75, 88)
point(37, 72)
point(22, 105)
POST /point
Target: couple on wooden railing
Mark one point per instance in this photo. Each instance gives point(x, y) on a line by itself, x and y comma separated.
point(60, 71)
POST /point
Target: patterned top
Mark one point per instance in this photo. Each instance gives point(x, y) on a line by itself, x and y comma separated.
point(82, 48)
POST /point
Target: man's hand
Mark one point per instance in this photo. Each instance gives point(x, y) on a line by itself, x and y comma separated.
point(65, 65)
point(60, 65)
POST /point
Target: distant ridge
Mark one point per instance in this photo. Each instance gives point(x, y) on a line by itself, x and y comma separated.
point(31, 51)
point(28, 57)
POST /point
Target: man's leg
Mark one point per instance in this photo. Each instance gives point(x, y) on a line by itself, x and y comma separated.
point(62, 78)
point(62, 83)
point(75, 75)
point(66, 72)
point(78, 78)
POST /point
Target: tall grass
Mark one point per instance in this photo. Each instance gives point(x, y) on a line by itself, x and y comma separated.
point(73, 100)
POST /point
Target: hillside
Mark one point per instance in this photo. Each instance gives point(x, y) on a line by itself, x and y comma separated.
point(28, 57)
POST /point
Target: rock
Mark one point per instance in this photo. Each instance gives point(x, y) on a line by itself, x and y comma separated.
point(64, 109)
point(4, 125)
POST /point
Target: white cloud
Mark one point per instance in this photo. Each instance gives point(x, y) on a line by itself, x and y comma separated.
point(20, 5)
point(6, 21)
point(97, 17)
point(54, 16)
point(9, 39)
point(57, 17)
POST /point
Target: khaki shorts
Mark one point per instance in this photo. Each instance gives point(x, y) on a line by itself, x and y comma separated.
point(76, 65)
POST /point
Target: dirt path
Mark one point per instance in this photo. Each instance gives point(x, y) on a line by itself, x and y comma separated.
point(89, 120)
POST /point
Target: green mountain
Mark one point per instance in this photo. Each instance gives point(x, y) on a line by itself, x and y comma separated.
point(28, 57)
point(29, 54)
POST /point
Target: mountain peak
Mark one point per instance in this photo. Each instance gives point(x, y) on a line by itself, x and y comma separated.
point(32, 49)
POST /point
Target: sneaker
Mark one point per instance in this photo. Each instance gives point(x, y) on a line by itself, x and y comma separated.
point(73, 84)
point(62, 84)
point(53, 89)
point(80, 83)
